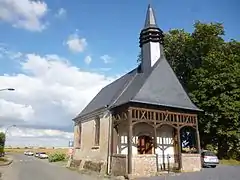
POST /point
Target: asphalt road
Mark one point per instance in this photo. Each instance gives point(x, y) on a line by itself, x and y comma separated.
point(31, 168)
point(219, 173)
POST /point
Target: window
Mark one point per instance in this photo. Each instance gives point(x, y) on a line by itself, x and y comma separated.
point(77, 134)
point(97, 131)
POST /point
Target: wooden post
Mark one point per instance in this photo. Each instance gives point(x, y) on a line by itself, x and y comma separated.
point(130, 134)
point(198, 142)
point(198, 138)
point(155, 138)
point(179, 148)
point(155, 144)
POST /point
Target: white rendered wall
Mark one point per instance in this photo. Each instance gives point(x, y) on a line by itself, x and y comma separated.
point(164, 140)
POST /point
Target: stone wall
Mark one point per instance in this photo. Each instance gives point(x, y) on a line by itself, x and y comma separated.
point(119, 165)
point(191, 162)
point(164, 162)
point(88, 150)
point(93, 157)
point(144, 165)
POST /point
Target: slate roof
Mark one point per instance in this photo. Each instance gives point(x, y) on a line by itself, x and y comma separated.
point(108, 94)
point(159, 87)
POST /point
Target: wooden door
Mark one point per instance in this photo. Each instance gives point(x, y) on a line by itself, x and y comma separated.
point(145, 145)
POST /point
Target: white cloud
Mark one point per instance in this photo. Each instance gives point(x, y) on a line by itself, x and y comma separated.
point(88, 59)
point(49, 93)
point(22, 137)
point(5, 52)
point(75, 43)
point(26, 14)
point(106, 59)
point(11, 110)
point(61, 13)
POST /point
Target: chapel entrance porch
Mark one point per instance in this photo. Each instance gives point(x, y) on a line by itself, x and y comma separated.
point(148, 140)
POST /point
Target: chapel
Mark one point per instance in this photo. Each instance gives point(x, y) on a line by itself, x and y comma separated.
point(133, 125)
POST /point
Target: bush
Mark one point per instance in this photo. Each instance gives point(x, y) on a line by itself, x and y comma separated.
point(3, 159)
point(56, 157)
point(2, 143)
point(210, 147)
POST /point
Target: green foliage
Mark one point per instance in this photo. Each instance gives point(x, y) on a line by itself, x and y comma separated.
point(3, 159)
point(2, 142)
point(210, 147)
point(209, 69)
point(55, 157)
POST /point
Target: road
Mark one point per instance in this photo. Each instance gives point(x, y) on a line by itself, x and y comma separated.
point(218, 173)
point(31, 168)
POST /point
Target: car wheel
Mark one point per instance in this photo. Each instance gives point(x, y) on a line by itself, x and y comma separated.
point(213, 166)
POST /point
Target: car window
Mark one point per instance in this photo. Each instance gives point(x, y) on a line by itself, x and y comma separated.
point(208, 153)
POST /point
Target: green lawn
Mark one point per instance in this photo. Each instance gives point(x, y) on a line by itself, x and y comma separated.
point(230, 162)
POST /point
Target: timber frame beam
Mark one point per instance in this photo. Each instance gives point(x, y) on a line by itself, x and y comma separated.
point(156, 118)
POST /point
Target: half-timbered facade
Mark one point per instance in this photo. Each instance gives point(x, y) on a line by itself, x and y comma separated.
point(133, 125)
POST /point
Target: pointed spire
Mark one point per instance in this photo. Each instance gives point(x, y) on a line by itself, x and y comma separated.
point(150, 41)
point(150, 32)
point(150, 18)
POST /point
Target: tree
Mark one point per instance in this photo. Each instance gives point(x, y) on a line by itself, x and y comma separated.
point(209, 69)
point(2, 142)
point(215, 87)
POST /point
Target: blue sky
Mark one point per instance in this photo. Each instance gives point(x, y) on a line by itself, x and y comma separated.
point(58, 54)
point(113, 27)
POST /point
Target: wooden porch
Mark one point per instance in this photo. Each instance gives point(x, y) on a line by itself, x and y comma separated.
point(155, 117)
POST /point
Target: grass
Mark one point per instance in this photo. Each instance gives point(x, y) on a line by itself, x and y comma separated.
point(3, 160)
point(46, 150)
point(230, 162)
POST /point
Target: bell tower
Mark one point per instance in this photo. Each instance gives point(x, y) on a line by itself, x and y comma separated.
point(150, 41)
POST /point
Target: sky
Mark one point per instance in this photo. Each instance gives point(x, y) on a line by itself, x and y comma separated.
point(58, 54)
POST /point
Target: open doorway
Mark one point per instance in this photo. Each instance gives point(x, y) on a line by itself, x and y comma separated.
point(145, 145)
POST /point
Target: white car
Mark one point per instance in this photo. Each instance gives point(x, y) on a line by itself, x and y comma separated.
point(37, 154)
point(29, 153)
point(209, 159)
point(43, 155)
